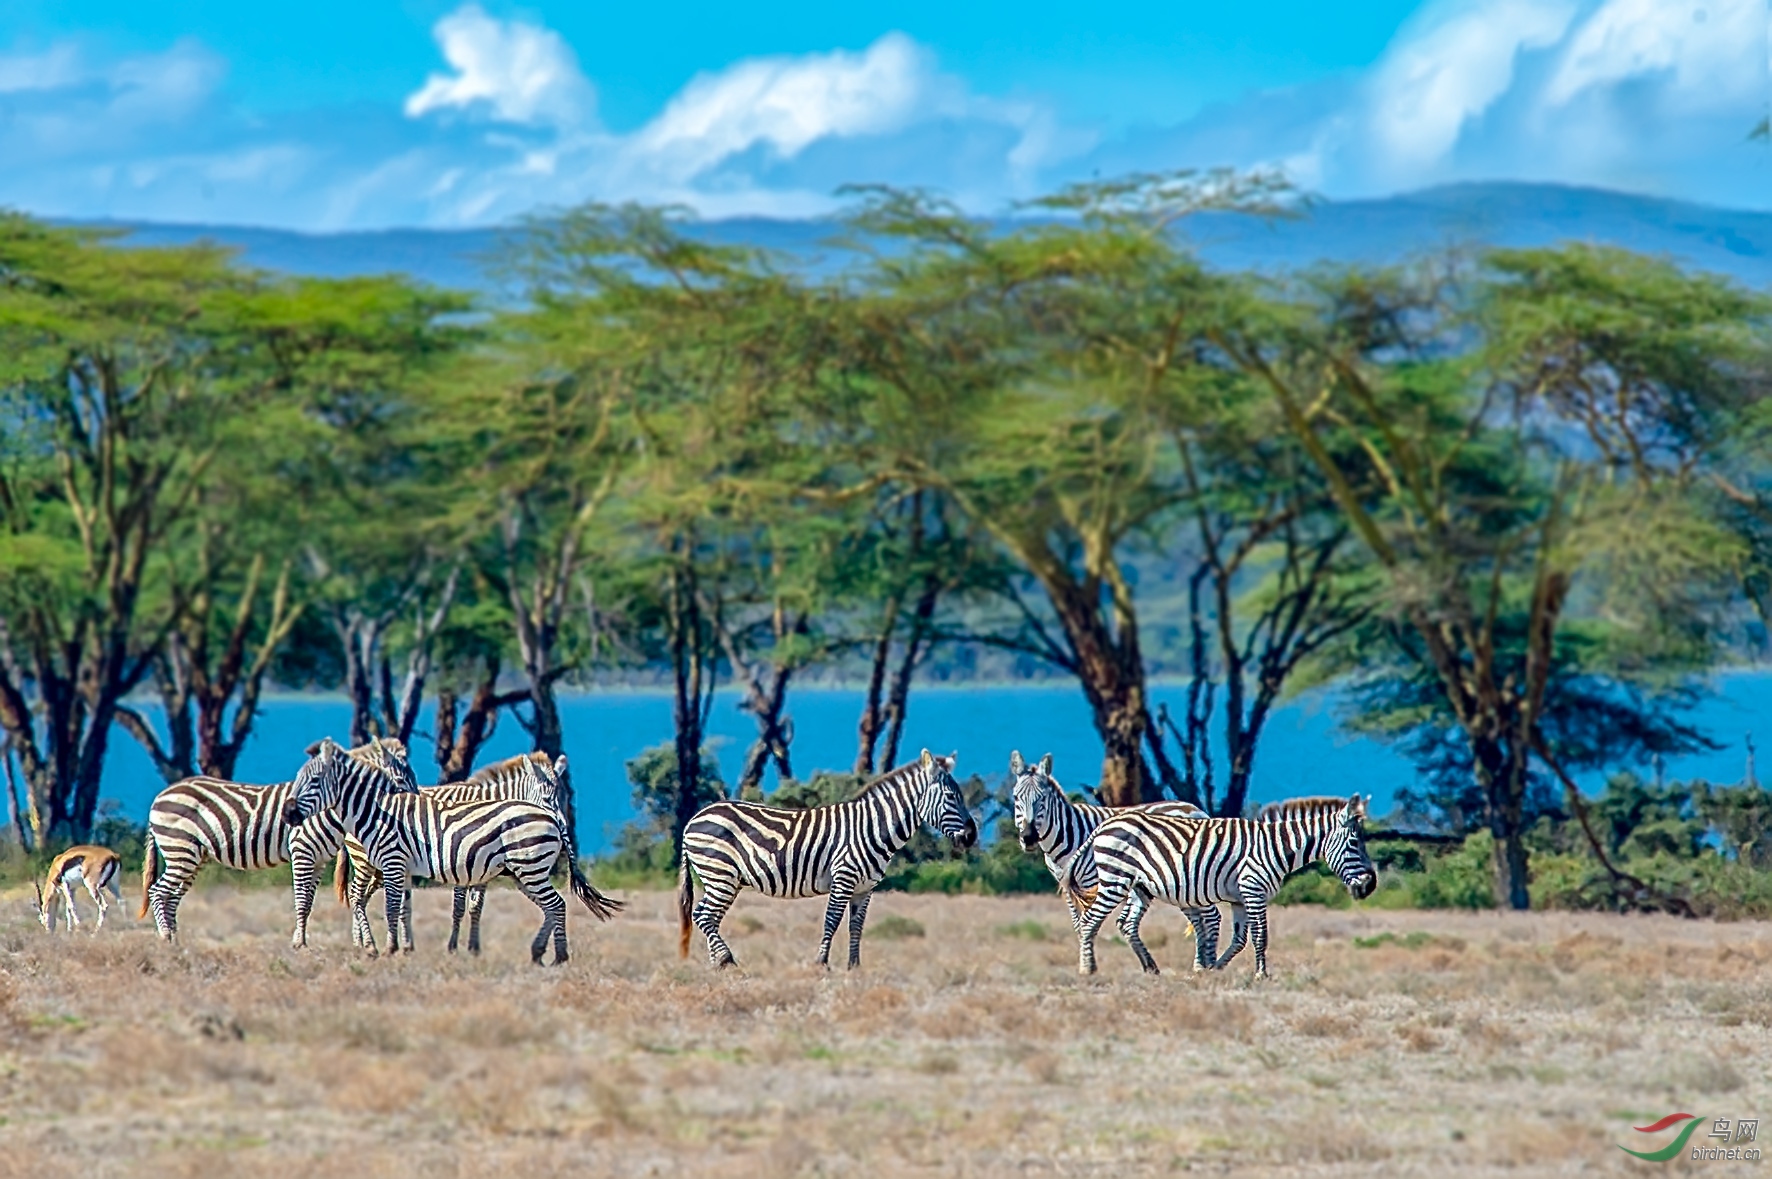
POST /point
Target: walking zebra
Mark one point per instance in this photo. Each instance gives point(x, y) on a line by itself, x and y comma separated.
point(841, 849)
point(507, 779)
point(1195, 863)
point(1048, 822)
point(469, 843)
point(246, 827)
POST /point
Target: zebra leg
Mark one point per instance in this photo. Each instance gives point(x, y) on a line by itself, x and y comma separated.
point(1255, 904)
point(458, 905)
point(547, 898)
point(1239, 935)
point(1107, 899)
point(477, 905)
point(1136, 907)
point(842, 888)
point(304, 870)
point(717, 895)
point(164, 896)
point(406, 917)
point(858, 915)
point(1205, 921)
point(395, 897)
point(364, 880)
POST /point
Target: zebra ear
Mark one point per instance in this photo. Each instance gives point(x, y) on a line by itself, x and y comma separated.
point(560, 766)
point(1356, 807)
point(927, 760)
point(1046, 766)
point(1015, 762)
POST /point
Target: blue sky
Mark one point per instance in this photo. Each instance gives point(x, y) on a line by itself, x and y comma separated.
point(332, 115)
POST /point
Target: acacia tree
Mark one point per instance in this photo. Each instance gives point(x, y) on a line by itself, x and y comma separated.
point(1524, 458)
point(108, 366)
point(1057, 357)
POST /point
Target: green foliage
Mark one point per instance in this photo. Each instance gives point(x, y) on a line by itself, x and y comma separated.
point(893, 927)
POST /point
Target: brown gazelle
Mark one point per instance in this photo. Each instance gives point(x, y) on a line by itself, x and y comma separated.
point(95, 867)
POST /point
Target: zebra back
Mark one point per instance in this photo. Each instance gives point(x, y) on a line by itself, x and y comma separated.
point(788, 851)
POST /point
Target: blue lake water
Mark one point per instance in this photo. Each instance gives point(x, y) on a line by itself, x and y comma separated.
point(1302, 752)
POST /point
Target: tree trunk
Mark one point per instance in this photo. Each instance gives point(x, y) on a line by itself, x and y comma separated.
point(14, 813)
point(691, 680)
point(873, 718)
point(898, 702)
point(1501, 772)
point(459, 744)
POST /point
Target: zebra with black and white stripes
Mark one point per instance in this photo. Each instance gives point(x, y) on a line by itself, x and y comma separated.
point(466, 844)
point(507, 779)
point(841, 850)
point(246, 827)
point(1048, 822)
point(1196, 863)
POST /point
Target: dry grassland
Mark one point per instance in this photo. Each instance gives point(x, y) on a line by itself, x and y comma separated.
point(1520, 1044)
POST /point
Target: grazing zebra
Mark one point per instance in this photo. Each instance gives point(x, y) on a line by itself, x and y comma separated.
point(1048, 822)
point(95, 867)
point(506, 779)
point(1196, 863)
point(245, 827)
point(841, 849)
point(469, 843)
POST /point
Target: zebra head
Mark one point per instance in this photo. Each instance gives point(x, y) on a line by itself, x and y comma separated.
point(941, 805)
point(1344, 850)
point(1037, 799)
point(389, 756)
point(316, 783)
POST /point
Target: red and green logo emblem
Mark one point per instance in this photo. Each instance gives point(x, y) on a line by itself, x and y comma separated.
point(1671, 1149)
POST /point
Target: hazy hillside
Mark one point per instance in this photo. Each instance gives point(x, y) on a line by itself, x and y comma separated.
point(1733, 242)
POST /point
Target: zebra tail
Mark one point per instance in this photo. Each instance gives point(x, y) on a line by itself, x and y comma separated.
point(602, 907)
point(150, 870)
point(685, 903)
point(341, 877)
point(1068, 887)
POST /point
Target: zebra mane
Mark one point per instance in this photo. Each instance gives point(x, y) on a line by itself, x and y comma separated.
point(1304, 808)
point(889, 778)
point(488, 772)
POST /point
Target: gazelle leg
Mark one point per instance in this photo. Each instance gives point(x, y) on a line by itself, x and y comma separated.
point(67, 891)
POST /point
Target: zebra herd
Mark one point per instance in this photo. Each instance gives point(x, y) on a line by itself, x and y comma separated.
point(364, 807)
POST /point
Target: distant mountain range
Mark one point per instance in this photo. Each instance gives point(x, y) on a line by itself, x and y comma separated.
point(1733, 242)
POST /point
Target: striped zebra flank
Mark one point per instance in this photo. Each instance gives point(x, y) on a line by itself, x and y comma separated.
point(1197, 863)
point(840, 850)
point(466, 844)
point(246, 827)
point(1050, 823)
point(508, 779)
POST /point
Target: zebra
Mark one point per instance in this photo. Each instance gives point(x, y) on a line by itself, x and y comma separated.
point(1196, 863)
point(245, 827)
point(1048, 822)
point(465, 844)
point(841, 849)
point(506, 779)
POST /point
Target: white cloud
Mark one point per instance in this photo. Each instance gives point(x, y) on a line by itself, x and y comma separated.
point(1450, 68)
point(524, 73)
point(788, 103)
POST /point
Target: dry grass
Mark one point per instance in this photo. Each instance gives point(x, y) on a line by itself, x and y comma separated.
point(1520, 1044)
